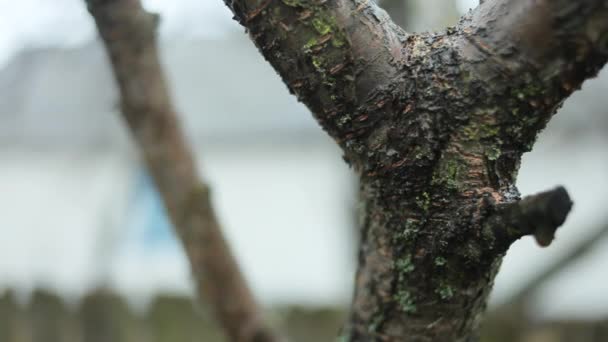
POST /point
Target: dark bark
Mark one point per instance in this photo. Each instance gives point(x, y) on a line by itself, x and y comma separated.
point(539, 215)
point(129, 34)
point(435, 126)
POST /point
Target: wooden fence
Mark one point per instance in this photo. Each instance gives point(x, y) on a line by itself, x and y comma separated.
point(106, 317)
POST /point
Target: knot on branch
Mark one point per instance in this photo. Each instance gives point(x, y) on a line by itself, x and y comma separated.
point(539, 215)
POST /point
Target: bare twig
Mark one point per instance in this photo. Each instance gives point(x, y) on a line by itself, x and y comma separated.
point(539, 215)
point(128, 32)
point(577, 253)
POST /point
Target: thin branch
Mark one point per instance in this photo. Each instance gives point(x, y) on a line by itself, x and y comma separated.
point(577, 253)
point(128, 32)
point(539, 215)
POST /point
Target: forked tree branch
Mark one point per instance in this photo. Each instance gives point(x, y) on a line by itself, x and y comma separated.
point(435, 124)
point(129, 34)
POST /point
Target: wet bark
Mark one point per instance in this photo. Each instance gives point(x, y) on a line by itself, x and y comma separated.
point(434, 125)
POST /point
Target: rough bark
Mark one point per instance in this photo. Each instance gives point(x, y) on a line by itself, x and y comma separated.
point(129, 34)
point(435, 125)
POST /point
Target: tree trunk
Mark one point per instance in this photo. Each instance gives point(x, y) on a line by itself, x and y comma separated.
point(434, 125)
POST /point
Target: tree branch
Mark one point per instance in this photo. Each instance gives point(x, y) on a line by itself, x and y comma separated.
point(539, 215)
point(579, 252)
point(557, 44)
point(128, 32)
point(434, 124)
point(333, 55)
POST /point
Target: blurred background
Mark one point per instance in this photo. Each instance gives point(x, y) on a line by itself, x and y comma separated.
point(87, 253)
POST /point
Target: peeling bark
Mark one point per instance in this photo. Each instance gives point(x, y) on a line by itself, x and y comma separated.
point(435, 125)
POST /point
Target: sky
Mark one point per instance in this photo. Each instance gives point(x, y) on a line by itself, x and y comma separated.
point(40, 23)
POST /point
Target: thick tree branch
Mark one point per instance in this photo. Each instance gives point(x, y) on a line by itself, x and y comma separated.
point(558, 37)
point(539, 215)
point(546, 48)
point(434, 124)
point(334, 56)
point(128, 32)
